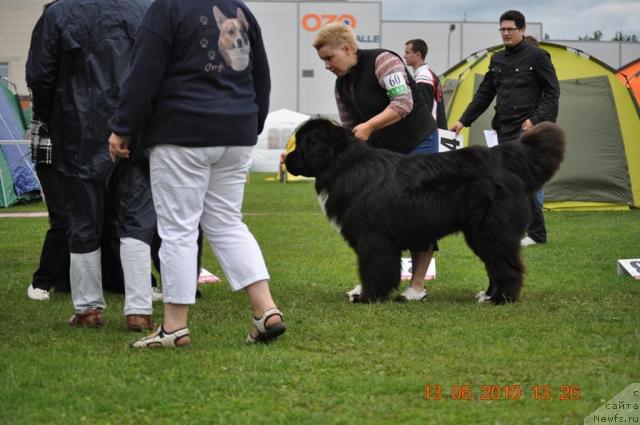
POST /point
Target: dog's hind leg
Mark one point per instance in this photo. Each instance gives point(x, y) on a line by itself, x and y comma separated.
point(379, 266)
point(500, 254)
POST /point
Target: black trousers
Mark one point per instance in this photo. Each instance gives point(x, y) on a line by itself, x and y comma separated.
point(100, 215)
point(53, 271)
point(536, 229)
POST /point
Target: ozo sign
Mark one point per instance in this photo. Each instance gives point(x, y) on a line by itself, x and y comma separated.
point(313, 21)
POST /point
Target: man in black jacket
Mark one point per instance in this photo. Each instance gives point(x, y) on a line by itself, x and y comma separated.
point(78, 62)
point(523, 81)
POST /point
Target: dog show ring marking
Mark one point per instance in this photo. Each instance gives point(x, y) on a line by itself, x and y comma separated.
point(630, 267)
point(449, 141)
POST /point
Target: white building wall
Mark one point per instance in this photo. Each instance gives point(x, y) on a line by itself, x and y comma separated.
point(17, 19)
point(444, 49)
point(279, 24)
point(628, 53)
point(316, 83)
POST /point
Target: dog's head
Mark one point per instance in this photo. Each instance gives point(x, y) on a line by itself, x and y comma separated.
point(318, 141)
point(233, 41)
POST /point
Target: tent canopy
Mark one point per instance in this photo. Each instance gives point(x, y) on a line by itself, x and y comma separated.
point(601, 121)
point(278, 128)
point(629, 75)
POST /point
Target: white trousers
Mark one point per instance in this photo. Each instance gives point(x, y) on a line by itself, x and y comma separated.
point(135, 257)
point(85, 275)
point(206, 186)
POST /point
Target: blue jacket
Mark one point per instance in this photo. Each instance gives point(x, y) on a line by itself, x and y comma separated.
point(199, 76)
point(78, 61)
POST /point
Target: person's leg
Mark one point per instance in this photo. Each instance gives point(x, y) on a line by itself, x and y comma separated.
point(420, 260)
point(537, 230)
point(261, 303)
point(428, 146)
point(233, 244)
point(179, 177)
point(135, 256)
point(200, 241)
point(83, 211)
point(420, 264)
point(53, 271)
point(86, 277)
point(136, 226)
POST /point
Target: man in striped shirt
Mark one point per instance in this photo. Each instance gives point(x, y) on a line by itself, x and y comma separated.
point(415, 55)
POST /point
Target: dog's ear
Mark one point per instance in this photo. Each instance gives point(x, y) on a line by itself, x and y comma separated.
point(339, 136)
point(243, 19)
point(220, 18)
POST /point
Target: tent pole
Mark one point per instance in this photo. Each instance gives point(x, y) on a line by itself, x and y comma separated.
point(4, 194)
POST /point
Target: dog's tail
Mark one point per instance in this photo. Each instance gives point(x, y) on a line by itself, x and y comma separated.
point(536, 156)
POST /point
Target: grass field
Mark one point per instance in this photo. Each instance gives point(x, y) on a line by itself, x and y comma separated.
point(578, 325)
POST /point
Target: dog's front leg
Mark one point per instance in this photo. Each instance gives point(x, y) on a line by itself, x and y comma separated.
point(379, 266)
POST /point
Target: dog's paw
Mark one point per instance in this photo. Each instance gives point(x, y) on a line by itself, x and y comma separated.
point(483, 298)
point(353, 298)
point(353, 294)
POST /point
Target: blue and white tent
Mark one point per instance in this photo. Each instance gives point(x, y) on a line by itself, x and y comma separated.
point(18, 180)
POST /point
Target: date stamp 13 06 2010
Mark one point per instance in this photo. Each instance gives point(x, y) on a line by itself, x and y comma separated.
point(495, 392)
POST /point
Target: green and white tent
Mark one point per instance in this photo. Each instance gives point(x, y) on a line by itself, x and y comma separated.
point(601, 169)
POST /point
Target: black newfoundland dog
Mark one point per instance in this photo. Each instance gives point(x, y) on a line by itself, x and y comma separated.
point(384, 202)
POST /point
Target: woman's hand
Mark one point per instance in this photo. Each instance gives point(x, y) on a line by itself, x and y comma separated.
point(118, 147)
point(362, 132)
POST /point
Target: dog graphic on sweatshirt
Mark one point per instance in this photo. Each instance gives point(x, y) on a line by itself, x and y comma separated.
point(233, 43)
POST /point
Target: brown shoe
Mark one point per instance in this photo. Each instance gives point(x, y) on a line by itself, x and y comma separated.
point(90, 318)
point(139, 322)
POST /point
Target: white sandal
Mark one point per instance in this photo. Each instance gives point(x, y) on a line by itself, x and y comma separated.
point(161, 339)
point(411, 294)
point(267, 333)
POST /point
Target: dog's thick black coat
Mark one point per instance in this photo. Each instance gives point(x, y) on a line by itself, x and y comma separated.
point(384, 202)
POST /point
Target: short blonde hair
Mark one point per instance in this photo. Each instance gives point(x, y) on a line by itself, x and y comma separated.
point(334, 35)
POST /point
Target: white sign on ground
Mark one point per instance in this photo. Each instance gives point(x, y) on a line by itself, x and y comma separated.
point(449, 141)
point(407, 269)
point(630, 267)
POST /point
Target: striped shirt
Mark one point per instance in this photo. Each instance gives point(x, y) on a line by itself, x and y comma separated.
point(423, 75)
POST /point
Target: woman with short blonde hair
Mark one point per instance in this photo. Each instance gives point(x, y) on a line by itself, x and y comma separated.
point(334, 35)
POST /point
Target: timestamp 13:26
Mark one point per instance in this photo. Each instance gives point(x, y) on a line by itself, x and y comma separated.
point(564, 392)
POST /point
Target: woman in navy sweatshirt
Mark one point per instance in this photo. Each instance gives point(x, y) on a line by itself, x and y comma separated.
point(198, 92)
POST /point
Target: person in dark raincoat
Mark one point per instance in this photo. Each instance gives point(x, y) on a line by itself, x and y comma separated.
point(77, 66)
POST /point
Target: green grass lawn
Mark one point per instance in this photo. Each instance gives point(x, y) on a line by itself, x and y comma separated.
point(578, 324)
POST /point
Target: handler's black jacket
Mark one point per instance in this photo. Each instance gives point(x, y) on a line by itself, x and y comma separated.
point(525, 85)
point(78, 61)
point(362, 95)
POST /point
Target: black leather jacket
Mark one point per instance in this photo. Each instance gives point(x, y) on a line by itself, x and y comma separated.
point(78, 60)
point(524, 83)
